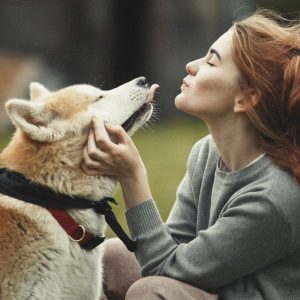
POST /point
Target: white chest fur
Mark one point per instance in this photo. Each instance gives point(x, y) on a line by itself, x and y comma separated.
point(45, 263)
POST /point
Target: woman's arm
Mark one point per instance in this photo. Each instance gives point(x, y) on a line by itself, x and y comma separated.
point(249, 235)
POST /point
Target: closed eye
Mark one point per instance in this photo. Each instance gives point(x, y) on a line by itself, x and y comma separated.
point(210, 64)
point(99, 98)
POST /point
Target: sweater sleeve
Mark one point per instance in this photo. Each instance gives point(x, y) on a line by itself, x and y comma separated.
point(250, 234)
point(182, 219)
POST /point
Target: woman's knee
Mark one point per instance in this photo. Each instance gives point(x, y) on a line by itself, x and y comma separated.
point(116, 258)
point(112, 248)
point(161, 287)
point(144, 288)
point(120, 268)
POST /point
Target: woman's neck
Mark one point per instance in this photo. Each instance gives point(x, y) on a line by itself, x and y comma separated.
point(237, 144)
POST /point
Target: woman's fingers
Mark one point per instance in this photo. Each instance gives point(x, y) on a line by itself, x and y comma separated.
point(101, 156)
point(89, 172)
point(93, 158)
point(118, 132)
point(88, 161)
point(101, 136)
point(92, 149)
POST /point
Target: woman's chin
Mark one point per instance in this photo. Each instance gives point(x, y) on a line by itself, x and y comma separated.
point(179, 101)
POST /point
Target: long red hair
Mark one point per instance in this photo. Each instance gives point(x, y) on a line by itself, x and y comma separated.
point(266, 48)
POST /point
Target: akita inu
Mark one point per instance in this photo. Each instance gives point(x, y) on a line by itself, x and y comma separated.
point(38, 259)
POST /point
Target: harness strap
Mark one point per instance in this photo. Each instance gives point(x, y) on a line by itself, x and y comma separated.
point(17, 186)
point(111, 220)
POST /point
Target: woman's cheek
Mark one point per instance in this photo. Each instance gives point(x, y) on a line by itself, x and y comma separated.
point(204, 84)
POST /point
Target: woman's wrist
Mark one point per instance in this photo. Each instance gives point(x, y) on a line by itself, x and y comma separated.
point(135, 188)
point(136, 173)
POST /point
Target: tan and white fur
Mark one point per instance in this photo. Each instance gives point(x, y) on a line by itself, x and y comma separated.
point(37, 258)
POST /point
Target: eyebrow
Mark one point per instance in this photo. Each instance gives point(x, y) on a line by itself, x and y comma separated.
point(213, 51)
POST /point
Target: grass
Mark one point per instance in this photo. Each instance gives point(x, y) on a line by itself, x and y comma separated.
point(164, 149)
point(4, 138)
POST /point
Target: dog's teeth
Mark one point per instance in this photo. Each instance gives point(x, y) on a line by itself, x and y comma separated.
point(151, 92)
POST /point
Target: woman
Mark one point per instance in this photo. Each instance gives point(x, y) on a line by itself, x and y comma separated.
point(234, 229)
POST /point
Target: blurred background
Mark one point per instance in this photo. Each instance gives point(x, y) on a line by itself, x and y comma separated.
point(109, 42)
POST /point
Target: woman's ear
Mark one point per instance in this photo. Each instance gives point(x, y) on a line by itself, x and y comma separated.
point(244, 100)
point(240, 105)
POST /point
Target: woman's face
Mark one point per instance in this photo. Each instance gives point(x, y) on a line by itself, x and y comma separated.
point(211, 87)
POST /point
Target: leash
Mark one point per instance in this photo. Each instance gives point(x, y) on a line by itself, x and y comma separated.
point(17, 186)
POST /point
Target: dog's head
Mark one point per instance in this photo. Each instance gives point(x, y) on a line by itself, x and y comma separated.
point(53, 127)
point(53, 116)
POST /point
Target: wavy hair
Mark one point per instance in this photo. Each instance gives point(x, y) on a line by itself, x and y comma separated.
point(266, 49)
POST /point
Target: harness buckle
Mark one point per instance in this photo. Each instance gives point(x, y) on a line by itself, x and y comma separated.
point(82, 237)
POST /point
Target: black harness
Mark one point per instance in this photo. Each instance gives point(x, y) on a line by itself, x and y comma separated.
point(15, 185)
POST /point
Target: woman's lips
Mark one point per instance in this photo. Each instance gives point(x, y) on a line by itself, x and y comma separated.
point(184, 84)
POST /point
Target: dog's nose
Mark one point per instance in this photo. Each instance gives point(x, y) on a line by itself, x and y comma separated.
point(142, 81)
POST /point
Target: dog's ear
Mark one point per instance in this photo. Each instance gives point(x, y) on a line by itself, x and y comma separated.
point(37, 91)
point(32, 118)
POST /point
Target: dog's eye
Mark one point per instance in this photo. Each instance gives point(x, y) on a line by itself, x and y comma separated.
point(99, 98)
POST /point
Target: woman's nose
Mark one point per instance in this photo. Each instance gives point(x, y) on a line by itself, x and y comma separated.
point(192, 68)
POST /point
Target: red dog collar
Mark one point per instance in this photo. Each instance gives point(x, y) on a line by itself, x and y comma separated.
point(76, 232)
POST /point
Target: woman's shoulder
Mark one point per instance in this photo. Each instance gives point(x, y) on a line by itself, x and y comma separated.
point(285, 189)
point(277, 184)
point(203, 153)
point(204, 145)
point(283, 185)
point(284, 192)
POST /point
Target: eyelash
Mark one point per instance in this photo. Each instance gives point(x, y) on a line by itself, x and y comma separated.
point(210, 64)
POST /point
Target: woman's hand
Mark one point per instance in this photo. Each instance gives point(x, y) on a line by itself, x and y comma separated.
point(111, 151)
point(101, 156)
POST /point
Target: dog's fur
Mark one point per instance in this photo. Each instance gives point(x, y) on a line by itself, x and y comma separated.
point(37, 258)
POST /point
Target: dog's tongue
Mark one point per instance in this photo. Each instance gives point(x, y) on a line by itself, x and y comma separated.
point(150, 97)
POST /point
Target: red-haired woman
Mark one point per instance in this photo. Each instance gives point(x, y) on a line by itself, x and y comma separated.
point(234, 229)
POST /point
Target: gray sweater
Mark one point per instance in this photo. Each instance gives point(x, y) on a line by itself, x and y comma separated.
point(232, 233)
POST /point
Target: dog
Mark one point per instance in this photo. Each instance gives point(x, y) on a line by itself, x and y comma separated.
point(38, 259)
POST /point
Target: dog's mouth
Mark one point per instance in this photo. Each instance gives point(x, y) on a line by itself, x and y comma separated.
point(137, 115)
point(127, 125)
